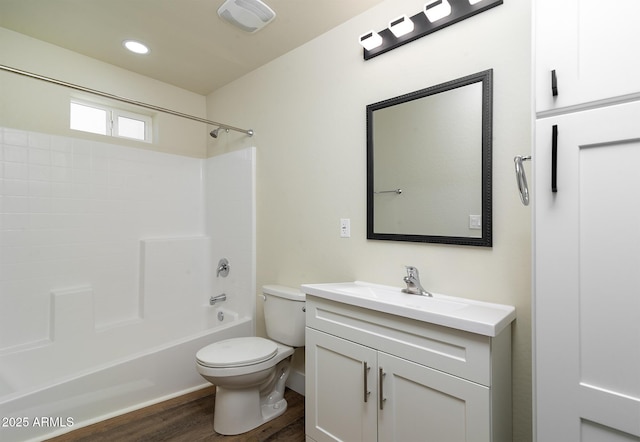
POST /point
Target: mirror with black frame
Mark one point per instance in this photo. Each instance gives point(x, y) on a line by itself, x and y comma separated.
point(429, 164)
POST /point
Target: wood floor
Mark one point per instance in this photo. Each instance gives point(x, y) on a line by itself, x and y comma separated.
point(189, 418)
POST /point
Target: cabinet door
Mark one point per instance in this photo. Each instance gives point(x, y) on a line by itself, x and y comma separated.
point(337, 373)
point(422, 404)
point(587, 276)
point(593, 47)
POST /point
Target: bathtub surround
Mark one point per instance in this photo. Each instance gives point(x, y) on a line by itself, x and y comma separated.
point(230, 222)
point(71, 313)
point(106, 271)
point(73, 213)
point(170, 265)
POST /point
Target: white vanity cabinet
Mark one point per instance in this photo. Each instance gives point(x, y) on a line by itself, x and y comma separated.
point(375, 376)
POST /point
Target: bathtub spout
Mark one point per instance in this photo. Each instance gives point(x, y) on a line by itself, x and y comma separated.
point(215, 299)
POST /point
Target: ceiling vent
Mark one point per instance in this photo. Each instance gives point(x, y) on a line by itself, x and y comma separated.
point(248, 15)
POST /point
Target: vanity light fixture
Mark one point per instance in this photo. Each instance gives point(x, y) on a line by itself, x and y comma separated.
point(435, 15)
point(370, 40)
point(136, 47)
point(437, 9)
point(401, 26)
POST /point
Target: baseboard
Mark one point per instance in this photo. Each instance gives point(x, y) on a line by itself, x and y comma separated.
point(296, 382)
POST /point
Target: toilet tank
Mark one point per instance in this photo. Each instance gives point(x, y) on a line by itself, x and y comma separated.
point(284, 314)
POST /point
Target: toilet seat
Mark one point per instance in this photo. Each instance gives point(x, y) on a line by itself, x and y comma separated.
point(237, 352)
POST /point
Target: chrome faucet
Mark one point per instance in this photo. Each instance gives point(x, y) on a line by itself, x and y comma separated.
point(413, 283)
point(215, 299)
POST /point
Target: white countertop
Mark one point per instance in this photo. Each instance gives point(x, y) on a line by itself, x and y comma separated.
point(463, 314)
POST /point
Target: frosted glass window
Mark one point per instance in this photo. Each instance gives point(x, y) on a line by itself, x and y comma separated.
point(105, 120)
point(89, 119)
point(131, 128)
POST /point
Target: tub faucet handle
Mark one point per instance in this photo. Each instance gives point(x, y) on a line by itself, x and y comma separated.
point(223, 268)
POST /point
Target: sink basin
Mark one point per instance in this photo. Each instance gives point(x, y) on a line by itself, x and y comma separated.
point(463, 314)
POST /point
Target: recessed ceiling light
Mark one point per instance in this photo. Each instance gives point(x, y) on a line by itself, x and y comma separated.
point(135, 46)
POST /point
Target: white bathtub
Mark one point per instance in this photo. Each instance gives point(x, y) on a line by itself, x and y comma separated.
point(47, 390)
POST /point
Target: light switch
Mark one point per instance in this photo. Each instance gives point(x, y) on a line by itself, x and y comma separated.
point(475, 222)
point(345, 228)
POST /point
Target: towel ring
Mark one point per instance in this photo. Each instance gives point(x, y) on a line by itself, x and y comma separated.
point(521, 179)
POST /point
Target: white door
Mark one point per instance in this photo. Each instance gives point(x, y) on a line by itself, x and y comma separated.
point(341, 389)
point(593, 47)
point(417, 403)
point(587, 277)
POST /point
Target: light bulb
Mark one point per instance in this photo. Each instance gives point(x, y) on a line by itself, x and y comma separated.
point(136, 47)
point(437, 9)
point(370, 40)
point(401, 25)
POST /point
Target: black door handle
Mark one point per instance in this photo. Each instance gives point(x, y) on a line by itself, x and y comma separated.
point(554, 83)
point(554, 158)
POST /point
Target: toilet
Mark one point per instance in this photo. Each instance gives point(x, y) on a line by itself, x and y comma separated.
point(250, 372)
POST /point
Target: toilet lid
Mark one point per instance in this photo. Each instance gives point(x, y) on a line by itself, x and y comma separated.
point(237, 352)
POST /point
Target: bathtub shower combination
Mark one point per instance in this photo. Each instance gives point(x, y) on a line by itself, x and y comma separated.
point(108, 262)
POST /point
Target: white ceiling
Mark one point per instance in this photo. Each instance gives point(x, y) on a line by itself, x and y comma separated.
point(191, 47)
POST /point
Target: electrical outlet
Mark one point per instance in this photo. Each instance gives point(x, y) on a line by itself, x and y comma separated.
point(345, 228)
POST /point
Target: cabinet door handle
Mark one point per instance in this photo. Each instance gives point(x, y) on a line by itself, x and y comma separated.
point(554, 83)
point(365, 376)
point(381, 376)
point(554, 159)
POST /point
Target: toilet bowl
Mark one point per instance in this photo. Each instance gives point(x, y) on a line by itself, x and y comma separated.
point(250, 372)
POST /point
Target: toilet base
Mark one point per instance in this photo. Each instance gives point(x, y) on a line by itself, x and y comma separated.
point(272, 411)
point(240, 410)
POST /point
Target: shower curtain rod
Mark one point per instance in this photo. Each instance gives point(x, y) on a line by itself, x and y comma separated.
point(249, 132)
